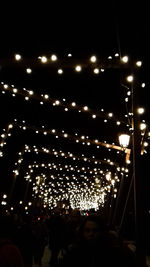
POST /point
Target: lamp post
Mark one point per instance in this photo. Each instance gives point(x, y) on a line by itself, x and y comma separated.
point(124, 140)
point(137, 181)
point(138, 185)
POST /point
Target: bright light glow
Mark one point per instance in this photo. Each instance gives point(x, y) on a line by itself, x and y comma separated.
point(145, 144)
point(60, 71)
point(93, 116)
point(43, 59)
point(46, 96)
point(53, 57)
point(31, 92)
point(108, 176)
point(124, 140)
point(96, 71)
point(73, 104)
point(28, 70)
point(130, 78)
point(139, 63)
point(93, 59)
point(125, 59)
point(142, 126)
point(78, 68)
point(140, 110)
point(57, 102)
point(18, 57)
point(85, 108)
point(15, 90)
point(96, 180)
point(10, 126)
point(129, 93)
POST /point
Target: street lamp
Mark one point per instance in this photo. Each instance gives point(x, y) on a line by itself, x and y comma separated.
point(124, 140)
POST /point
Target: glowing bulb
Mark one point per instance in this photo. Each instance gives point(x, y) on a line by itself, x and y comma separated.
point(142, 126)
point(15, 90)
point(5, 86)
point(43, 59)
point(139, 63)
point(140, 110)
point(130, 78)
point(108, 176)
point(10, 126)
point(96, 180)
point(145, 144)
point(129, 93)
point(53, 57)
point(31, 92)
point(93, 59)
point(125, 59)
point(96, 70)
point(60, 71)
point(73, 104)
point(93, 116)
point(78, 68)
point(46, 96)
point(57, 102)
point(28, 70)
point(18, 57)
point(85, 108)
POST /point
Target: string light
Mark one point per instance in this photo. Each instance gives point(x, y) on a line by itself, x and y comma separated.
point(18, 57)
point(46, 97)
point(84, 198)
point(60, 134)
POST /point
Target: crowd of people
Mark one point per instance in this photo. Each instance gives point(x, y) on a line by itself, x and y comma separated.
point(74, 239)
